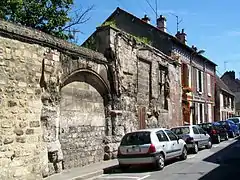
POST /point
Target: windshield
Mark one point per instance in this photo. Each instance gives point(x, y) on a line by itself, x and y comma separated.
point(136, 138)
point(181, 130)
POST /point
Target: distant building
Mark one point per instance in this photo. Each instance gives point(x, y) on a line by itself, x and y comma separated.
point(224, 101)
point(234, 85)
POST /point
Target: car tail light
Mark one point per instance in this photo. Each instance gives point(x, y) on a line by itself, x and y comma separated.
point(152, 149)
point(214, 131)
point(119, 152)
point(189, 139)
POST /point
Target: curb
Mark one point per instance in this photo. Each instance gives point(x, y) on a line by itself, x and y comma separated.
point(95, 174)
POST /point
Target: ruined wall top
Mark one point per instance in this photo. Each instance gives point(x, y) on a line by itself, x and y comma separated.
point(30, 35)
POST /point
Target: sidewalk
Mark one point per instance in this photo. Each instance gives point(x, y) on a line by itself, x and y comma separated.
point(84, 173)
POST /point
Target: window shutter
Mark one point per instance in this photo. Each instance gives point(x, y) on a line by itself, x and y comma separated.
point(197, 72)
point(184, 74)
point(209, 84)
point(202, 81)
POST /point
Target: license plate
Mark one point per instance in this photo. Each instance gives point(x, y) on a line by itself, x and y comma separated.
point(133, 150)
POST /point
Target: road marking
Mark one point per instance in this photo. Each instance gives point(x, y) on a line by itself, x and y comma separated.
point(191, 156)
point(144, 177)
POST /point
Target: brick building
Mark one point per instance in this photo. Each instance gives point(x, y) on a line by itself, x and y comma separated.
point(198, 72)
point(224, 101)
point(234, 85)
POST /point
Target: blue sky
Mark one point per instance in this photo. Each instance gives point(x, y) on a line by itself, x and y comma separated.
point(211, 25)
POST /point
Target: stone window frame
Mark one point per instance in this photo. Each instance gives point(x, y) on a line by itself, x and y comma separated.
point(162, 79)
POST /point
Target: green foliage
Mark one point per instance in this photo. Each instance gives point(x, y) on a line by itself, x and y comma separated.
point(50, 16)
point(91, 43)
point(109, 23)
point(144, 40)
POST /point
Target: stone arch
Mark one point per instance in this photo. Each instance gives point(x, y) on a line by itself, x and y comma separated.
point(91, 77)
point(83, 111)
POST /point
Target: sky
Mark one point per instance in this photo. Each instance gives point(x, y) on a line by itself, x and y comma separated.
point(210, 25)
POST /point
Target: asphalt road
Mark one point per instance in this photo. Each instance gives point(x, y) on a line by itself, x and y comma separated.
point(220, 162)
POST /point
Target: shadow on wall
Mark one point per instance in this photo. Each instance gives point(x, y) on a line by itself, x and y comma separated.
point(228, 160)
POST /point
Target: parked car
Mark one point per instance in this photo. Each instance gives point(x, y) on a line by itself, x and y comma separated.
point(236, 119)
point(216, 131)
point(231, 127)
point(150, 146)
point(194, 136)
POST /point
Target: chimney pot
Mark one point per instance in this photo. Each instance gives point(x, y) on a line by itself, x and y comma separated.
point(146, 19)
point(161, 23)
point(181, 36)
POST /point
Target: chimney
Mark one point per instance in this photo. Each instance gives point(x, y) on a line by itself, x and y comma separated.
point(181, 36)
point(231, 74)
point(146, 19)
point(161, 23)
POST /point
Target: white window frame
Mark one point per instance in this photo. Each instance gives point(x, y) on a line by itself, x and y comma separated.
point(209, 85)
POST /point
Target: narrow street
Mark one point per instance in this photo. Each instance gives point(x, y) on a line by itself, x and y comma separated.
point(217, 163)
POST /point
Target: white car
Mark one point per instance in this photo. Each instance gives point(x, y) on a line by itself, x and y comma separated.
point(150, 146)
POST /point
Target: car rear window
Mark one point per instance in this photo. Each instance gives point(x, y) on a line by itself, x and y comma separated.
point(181, 130)
point(206, 126)
point(235, 120)
point(136, 138)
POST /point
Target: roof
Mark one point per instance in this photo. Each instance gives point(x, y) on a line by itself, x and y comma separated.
point(149, 130)
point(184, 126)
point(223, 86)
point(173, 38)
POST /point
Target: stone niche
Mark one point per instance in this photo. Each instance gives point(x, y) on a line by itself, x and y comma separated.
point(82, 124)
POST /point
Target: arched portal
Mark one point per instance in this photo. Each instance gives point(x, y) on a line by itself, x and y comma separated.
point(84, 96)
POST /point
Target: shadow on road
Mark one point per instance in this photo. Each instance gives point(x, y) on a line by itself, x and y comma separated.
point(135, 169)
point(228, 160)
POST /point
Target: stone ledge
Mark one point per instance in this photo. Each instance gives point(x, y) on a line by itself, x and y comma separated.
point(15, 31)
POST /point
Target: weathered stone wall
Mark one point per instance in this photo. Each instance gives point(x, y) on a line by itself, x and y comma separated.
point(22, 152)
point(35, 68)
point(140, 102)
point(82, 123)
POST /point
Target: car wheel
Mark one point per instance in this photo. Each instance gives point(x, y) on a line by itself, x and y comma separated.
point(160, 163)
point(233, 135)
point(184, 154)
point(209, 145)
point(195, 148)
point(218, 140)
point(226, 137)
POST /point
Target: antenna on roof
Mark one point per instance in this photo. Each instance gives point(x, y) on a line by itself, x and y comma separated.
point(178, 21)
point(225, 65)
point(154, 10)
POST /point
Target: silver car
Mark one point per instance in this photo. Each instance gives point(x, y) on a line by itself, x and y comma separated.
point(194, 136)
point(150, 146)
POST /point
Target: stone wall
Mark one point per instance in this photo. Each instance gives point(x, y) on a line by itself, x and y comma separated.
point(22, 152)
point(82, 123)
point(37, 71)
point(139, 100)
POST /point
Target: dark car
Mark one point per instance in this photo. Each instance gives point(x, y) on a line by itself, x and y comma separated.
point(231, 127)
point(217, 131)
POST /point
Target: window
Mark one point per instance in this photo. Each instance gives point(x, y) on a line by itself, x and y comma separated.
point(181, 130)
point(171, 135)
point(201, 112)
point(162, 78)
point(195, 130)
point(199, 81)
point(161, 136)
point(136, 138)
point(185, 75)
point(201, 131)
point(232, 103)
point(209, 85)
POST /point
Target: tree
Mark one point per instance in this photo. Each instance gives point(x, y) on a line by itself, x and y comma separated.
point(55, 17)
